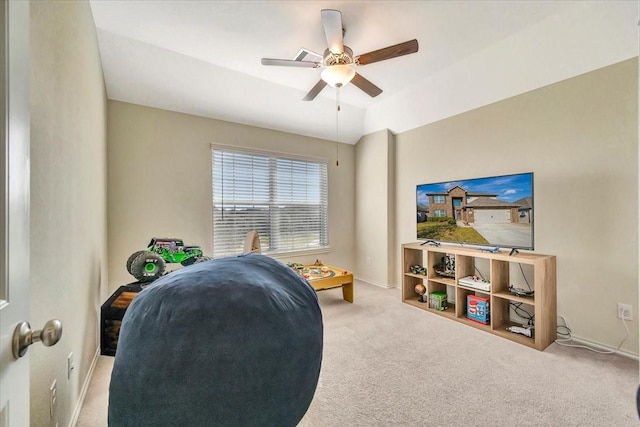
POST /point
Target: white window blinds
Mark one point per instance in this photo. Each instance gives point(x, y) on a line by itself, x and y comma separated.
point(283, 198)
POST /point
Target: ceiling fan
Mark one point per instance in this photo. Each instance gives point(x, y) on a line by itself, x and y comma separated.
point(338, 59)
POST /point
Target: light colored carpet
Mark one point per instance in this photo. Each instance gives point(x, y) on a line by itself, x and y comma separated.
point(386, 363)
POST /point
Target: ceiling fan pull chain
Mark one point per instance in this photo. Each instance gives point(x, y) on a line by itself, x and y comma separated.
point(337, 111)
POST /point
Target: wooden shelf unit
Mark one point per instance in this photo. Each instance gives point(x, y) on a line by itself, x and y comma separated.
point(542, 304)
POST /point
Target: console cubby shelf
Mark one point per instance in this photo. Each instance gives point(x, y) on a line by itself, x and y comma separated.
point(536, 271)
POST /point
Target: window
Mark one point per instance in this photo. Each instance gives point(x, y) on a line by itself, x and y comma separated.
point(438, 199)
point(440, 213)
point(283, 198)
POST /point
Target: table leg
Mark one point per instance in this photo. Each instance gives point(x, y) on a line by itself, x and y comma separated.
point(347, 292)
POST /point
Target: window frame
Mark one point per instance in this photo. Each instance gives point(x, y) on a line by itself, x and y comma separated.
point(274, 157)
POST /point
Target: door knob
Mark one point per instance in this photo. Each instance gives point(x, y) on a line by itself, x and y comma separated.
point(23, 336)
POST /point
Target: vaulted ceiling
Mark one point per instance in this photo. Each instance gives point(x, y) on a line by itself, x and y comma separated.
point(203, 57)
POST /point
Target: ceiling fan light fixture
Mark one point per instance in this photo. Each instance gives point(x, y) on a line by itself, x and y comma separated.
point(338, 75)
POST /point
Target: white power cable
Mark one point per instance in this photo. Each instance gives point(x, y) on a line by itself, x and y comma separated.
point(564, 341)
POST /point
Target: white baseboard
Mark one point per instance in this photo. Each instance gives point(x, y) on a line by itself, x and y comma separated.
point(371, 282)
point(85, 387)
point(581, 341)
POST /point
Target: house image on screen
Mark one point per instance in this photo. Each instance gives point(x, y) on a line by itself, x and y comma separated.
point(525, 210)
point(474, 207)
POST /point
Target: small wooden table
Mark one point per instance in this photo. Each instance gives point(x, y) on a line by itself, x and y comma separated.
point(334, 278)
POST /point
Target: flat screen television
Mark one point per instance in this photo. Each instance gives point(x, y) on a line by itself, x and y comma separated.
point(493, 212)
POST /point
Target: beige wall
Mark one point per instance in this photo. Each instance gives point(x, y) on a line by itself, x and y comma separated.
point(68, 199)
point(159, 181)
point(580, 138)
point(375, 209)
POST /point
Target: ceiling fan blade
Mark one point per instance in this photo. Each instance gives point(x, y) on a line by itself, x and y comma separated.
point(307, 55)
point(290, 63)
point(366, 86)
point(387, 53)
point(332, 23)
point(315, 91)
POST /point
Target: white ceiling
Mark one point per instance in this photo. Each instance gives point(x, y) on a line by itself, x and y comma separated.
point(203, 57)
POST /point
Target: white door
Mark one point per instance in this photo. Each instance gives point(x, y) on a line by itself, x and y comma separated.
point(14, 209)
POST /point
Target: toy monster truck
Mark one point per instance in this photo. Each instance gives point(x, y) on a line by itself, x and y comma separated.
point(148, 265)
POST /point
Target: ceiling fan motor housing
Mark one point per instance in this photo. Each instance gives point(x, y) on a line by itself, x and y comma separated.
point(344, 58)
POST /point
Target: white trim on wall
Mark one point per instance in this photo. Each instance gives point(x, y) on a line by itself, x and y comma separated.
point(85, 387)
point(372, 282)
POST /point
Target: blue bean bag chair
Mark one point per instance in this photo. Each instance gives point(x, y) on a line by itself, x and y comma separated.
point(229, 342)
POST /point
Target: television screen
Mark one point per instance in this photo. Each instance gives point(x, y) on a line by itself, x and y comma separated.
point(493, 212)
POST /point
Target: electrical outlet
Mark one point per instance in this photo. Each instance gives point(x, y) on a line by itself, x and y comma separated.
point(53, 398)
point(625, 311)
point(70, 365)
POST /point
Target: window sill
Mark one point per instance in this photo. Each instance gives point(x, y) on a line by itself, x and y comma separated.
point(293, 254)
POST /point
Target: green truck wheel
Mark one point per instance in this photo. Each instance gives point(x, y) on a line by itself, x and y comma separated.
point(147, 267)
point(131, 258)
